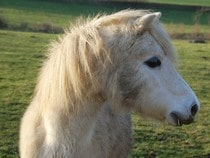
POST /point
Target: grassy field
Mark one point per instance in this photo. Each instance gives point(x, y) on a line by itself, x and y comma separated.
point(22, 53)
point(19, 13)
point(20, 58)
point(35, 12)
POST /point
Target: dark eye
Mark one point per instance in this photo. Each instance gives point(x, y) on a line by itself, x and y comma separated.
point(153, 62)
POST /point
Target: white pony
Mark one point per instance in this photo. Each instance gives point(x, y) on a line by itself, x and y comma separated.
point(96, 74)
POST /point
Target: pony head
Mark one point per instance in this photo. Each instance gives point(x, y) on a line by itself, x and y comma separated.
point(127, 60)
point(143, 75)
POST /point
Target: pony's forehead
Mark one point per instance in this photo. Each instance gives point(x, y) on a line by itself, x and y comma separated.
point(124, 20)
point(147, 44)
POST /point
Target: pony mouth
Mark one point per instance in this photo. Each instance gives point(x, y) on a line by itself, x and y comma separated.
point(178, 119)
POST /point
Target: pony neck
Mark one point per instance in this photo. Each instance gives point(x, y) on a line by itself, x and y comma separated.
point(78, 122)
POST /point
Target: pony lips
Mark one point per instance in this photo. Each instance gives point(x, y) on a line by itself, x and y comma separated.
point(95, 76)
point(178, 119)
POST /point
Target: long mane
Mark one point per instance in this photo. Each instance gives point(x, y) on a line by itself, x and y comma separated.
point(70, 73)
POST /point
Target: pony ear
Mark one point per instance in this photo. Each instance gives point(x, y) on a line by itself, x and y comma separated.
point(145, 21)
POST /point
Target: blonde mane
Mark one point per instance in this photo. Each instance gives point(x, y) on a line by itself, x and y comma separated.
point(69, 74)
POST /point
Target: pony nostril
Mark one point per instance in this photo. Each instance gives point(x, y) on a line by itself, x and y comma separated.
point(194, 109)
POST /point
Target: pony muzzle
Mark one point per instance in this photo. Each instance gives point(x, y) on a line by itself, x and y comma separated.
point(179, 118)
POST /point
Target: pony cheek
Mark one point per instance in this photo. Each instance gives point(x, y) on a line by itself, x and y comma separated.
point(152, 105)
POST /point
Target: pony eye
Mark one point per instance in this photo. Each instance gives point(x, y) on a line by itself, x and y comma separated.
point(153, 62)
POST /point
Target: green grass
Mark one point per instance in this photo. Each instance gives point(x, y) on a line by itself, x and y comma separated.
point(21, 55)
point(34, 12)
point(37, 12)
